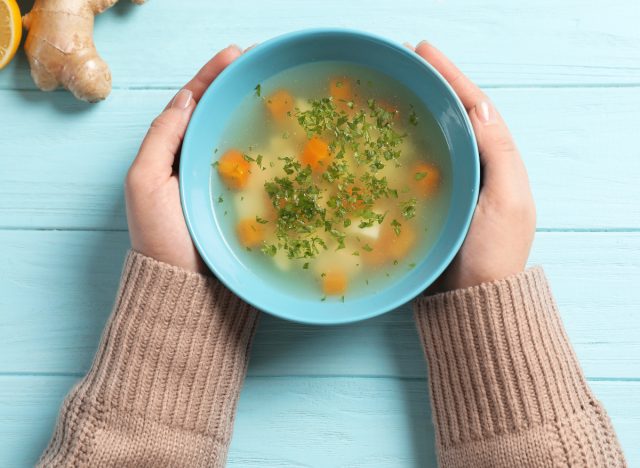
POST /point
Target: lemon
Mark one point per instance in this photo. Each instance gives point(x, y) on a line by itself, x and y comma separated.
point(10, 30)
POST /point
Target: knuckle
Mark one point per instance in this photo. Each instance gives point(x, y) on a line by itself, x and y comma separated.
point(518, 206)
point(522, 209)
point(160, 123)
point(164, 126)
point(134, 179)
point(504, 143)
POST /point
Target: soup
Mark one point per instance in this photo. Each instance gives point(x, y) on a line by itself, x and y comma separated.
point(333, 179)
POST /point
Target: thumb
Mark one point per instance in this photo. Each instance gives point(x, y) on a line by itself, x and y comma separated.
point(162, 142)
point(503, 169)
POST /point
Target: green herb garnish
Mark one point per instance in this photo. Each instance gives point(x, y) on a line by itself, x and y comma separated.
point(309, 216)
point(397, 227)
point(413, 117)
point(409, 208)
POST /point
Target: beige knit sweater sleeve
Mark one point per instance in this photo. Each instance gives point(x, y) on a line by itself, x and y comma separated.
point(506, 387)
point(163, 386)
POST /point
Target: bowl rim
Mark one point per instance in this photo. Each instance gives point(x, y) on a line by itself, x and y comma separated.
point(402, 299)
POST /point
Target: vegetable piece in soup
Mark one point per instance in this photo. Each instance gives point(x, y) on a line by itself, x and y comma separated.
point(234, 169)
point(280, 104)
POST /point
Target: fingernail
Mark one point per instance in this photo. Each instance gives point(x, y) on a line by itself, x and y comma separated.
point(485, 112)
point(182, 99)
point(249, 48)
point(423, 42)
point(235, 46)
point(408, 45)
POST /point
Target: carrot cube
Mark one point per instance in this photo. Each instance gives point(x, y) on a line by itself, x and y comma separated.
point(280, 104)
point(334, 283)
point(250, 232)
point(426, 178)
point(234, 169)
point(316, 154)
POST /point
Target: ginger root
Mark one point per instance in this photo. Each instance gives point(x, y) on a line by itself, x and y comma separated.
point(60, 47)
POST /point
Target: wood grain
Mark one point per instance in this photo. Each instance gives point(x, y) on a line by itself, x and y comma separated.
point(295, 423)
point(68, 174)
point(60, 287)
point(496, 42)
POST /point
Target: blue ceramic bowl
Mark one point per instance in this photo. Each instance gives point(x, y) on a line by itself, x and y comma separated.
point(236, 82)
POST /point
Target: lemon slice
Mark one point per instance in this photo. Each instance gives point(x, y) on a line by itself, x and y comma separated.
point(10, 30)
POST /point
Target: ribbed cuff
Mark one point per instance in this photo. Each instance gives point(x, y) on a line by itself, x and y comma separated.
point(175, 350)
point(499, 359)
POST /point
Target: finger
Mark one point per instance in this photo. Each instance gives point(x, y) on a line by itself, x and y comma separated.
point(499, 156)
point(199, 83)
point(162, 142)
point(408, 45)
point(466, 90)
point(209, 72)
point(503, 170)
point(249, 48)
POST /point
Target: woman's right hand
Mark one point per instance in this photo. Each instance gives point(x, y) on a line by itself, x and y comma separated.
point(156, 223)
point(501, 233)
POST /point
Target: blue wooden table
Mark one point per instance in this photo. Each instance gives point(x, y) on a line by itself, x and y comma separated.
point(566, 76)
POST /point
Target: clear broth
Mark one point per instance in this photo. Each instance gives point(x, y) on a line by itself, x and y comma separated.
point(252, 129)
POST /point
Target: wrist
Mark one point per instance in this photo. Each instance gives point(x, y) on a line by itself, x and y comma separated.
point(488, 342)
point(462, 277)
point(185, 258)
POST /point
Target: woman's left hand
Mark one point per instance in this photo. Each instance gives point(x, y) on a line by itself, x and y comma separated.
point(156, 224)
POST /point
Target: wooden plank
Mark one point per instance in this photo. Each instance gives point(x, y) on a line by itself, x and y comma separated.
point(67, 172)
point(496, 42)
point(65, 163)
point(59, 288)
point(299, 422)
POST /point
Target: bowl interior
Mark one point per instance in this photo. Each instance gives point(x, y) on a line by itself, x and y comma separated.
point(239, 79)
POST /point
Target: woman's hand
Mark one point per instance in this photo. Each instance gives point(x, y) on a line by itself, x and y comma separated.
point(499, 239)
point(156, 224)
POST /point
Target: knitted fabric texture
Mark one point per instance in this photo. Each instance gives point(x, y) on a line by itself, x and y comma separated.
point(506, 387)
point(163, 387)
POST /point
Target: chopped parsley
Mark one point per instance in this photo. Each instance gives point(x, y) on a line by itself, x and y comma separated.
point(397, 226)
point(413, 117)
point(313, 211)
point(409, 208)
